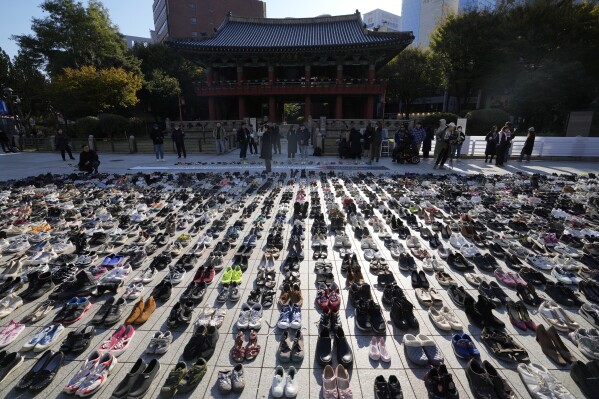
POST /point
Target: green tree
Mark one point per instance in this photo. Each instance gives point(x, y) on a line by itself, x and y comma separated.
point(5, 66)
point(89, 91)
point(411, 75)
point(73, 36)
point(162, 93)
point(30, 85)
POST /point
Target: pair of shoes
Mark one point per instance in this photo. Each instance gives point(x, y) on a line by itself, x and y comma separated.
point(44, 339)
point(324, 347)
point(486, 382)
point(519, 316)
point(284, 384)
point(445, 319)
point(202, 343)
point(160, 342)
point(10, 333)
point(181, 313)
point(439, 383)
point(39, 284)
point(250, 317)
point(138, 381)
point(402, 314)
point(369, 317)
point(110, 312)
point(92, 375)
point(195, 293)
point(384, 389)
point(141, 311)
point(78, 340)
point(211, 317)
point(73, 310)
point(422, 350)
point(378, 350)
point(463, 346)
point(335, 383)
point(9, 362)
point(231, 380)
point(162, 291)
point(291, 351)
point(39, 312)
point(239, 352)
point(541, 383)
point(184, 379)
point(553, 346)
point(43, 372)
point(119, 341)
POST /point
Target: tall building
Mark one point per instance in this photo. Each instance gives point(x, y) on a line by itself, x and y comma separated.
point(176, 19)
point(382, 20)
point(422, 16)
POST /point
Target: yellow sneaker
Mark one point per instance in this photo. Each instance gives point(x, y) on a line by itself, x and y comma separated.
point(227, 275)
point(237, 274)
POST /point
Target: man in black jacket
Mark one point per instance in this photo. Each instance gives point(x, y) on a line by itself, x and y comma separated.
point(243, 135)
point(88, 160)
point(178, 137)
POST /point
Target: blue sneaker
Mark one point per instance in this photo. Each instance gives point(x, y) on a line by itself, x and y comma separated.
point(284, 318)
point(296, 318)
point(50, 338)
point(471, 346)
point(460, 347)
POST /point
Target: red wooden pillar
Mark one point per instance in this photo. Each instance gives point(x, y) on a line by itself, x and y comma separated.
point(369, 107)
point(371, 73)
point(308, 75)
point(211, 109)
point(339, 74)
point(241, 101)
point(239, 75)
point(209, 76)
point(339, 107)
point(272, 111)
point(271, 74)
point(307, 107)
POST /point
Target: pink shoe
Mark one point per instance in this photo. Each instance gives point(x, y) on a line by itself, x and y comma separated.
point(505, 278)
point(123, 343)
point(116, 336)
point(516, 277)
point(9, 333)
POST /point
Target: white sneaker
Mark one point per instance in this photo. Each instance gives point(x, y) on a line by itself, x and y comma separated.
point(244, 317)
point(146, 276)
point(291, 387)
point(278, 383)
point(9, 304)
point(255, 321)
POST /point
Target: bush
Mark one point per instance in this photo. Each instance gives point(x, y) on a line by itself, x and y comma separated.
point(481, 121)
point(136, 127)
point(433, 119)
point(86, 126)
point(113, 126)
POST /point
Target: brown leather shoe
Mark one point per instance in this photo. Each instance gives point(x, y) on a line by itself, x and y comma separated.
point(560, 346)
point(548, 347)
point(296, 295)
point(285, 296)
point(148, 309)
point(136, 312)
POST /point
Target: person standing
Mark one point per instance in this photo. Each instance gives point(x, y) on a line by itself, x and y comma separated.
point(303, 139)
point(242, 137)
point(456, 144)
point(445, 145)
point(266, 150)
point(61, 141)
point(502, 145)
point(355, 143)
point(291, 142)
point(367, 137)
point(253, 141)
point(510, 133)
point(491, 148)
point(427, 143)
point(219, 134)
point(4, 141)
point(376, 142)
point(529, 144)
point(439, 135)
point(88, 160)
point(419, 135)
point(276, 139)
point(178, 137)
point(157, 137)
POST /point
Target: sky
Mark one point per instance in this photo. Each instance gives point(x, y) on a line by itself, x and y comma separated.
point(134, 17)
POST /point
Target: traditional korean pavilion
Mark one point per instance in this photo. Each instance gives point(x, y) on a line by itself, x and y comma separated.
point(327, 64)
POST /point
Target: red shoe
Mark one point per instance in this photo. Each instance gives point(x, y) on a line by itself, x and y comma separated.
point(334, 301)
point(199, 275)
point(208, 275)
point(322, 300)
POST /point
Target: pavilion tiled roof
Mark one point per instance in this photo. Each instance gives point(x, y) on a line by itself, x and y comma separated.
point(345, 31)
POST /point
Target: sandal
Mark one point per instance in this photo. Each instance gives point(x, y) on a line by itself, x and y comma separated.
point(253, 349)
point(254, 296)
point(218, 317)
point(270, 280)
point(267, 298)
point(238, 352)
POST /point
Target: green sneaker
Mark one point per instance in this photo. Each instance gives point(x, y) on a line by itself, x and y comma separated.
point(237, 274)
point(194, 376)
point(174, 379)
point(227, 275)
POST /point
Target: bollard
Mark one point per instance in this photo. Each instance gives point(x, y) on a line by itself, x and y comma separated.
point(132, 145)
point(91, 142)
point(53, 143)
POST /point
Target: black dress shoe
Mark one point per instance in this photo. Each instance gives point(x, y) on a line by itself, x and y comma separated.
point(345, 355)
point(480, 382)
point(128, 382)
point(8, 363)
point(102, 312)
point(144, 380)
point(324, 346)
point(30, 376)
point(46, 375)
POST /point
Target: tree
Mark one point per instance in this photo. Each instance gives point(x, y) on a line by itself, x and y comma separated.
point(467, 46)
point(89, 91)
point(73, 36)
point(30, 85)
point(5, 66)
point(411, 74)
